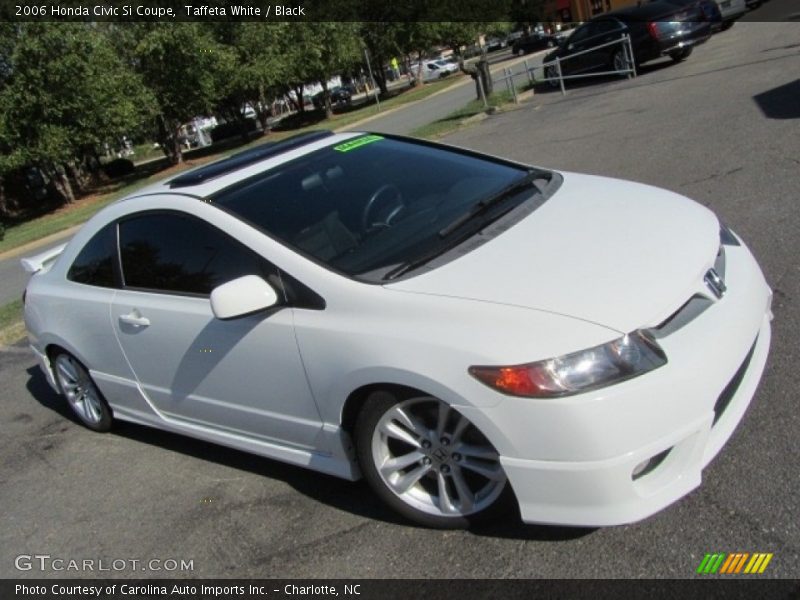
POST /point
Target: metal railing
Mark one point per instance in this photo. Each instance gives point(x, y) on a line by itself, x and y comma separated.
point(508, 75)
point(629, 70)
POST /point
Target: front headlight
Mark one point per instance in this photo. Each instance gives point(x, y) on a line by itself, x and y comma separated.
point(629, 356)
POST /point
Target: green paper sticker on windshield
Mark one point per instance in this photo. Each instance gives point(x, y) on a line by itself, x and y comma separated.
point(357, 143)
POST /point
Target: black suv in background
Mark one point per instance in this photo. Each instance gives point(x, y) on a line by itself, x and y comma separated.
point(656, 29)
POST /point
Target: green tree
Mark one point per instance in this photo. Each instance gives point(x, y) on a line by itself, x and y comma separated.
point(456, 35)
point(319, 51)
point(66, 92)
point(261, 67)
point(186, 69)
point(418, 38)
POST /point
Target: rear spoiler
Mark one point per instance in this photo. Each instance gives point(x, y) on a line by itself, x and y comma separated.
point(34, 264)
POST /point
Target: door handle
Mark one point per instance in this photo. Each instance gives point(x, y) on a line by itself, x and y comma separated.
point(135, 318)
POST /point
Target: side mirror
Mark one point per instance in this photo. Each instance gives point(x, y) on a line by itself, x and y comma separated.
point(241, 297)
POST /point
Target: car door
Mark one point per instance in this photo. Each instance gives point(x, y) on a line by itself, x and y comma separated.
point(602, 32)
point(575, 43)
point(585, 38)
point(244, 375)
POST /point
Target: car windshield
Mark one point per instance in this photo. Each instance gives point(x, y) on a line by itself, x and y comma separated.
point(366, 205)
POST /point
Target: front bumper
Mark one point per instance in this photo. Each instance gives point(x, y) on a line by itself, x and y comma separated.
point(571, 461)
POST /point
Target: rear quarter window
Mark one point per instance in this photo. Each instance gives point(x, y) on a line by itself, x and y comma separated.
point(94, 264)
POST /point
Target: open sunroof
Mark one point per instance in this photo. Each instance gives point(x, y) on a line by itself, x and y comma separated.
point(248, 157)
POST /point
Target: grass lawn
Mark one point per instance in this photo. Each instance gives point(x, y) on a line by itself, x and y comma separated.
point(11, 326)
point(458, 118)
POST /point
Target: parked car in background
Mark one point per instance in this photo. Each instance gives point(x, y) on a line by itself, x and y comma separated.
point(451, 326)
point(431, 70)
point(656, 29)
point(532, 43)
point(494, 44)
point(447, 65)
point(709, 8)
point(731, 10)
point(340, 96)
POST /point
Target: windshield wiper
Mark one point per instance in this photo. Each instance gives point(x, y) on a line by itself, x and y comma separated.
point(476, 210)
point(484, 205)
point(425, 258)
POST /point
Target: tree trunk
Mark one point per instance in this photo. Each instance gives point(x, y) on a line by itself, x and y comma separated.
point(4, 212)
point(167, 142)
point(177, 158)
point(326, 99)
point(418, 76)
point(76, 172)
point(380, 78)
point(262, 112)
point(62, 185)
point(301, 103)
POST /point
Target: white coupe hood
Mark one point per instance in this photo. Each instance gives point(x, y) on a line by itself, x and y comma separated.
point(619, 254)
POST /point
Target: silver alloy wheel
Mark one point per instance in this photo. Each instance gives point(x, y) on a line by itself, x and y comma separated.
point(79, 389)
point(435, 460)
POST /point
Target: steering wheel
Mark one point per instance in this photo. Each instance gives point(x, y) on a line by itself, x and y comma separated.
point(386, 200)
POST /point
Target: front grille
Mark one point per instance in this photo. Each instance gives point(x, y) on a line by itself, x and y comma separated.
point(693, 307)
point(689, 310)
point(728, 393)
point(719, 262)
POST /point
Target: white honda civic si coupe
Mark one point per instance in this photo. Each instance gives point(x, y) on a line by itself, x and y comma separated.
point(459, 329)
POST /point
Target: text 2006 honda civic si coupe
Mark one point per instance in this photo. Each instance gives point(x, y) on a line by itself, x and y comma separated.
point(460, 330)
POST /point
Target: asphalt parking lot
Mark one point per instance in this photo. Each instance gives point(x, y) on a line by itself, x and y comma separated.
point(722, 127)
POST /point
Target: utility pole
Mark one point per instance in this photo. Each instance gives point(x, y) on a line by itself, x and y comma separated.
point(372, 79)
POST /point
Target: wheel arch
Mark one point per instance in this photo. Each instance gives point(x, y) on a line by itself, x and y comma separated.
point(54, 346)
point(359, 396)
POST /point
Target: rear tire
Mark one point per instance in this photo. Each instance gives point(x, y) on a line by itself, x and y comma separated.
point(81, 393)
point(619, 62)
point(428, 462)
point(551, 73)
point(680, 55)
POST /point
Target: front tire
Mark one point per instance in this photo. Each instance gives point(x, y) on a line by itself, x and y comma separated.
point(428, 462)
point(680, 55)
point(81, 393)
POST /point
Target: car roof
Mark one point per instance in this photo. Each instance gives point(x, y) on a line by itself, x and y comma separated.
point(210, 178)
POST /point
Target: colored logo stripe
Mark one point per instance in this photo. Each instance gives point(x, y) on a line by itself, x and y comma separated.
point(357, 143)
point(758, 563)
point(734, 563)
point(711, 563)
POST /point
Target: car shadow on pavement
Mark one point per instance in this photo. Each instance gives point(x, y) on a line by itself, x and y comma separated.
point(572, 85)
point(782, 102)
point(353, 497)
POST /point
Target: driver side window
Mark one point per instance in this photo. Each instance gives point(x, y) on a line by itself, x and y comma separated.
point(176, 253)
